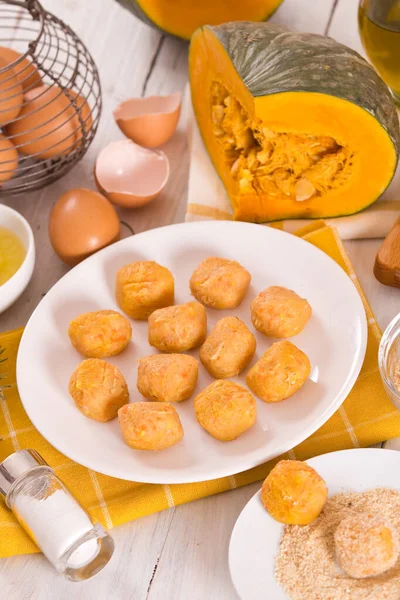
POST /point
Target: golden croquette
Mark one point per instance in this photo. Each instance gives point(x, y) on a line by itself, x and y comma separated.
point(294, 493)
point(219, 283)
point(142, 287)
point(178, 328)
point(280, 313)
point(167, 377)
point(98, 389)
point(228, 349)
point(281, 372)
point(100, 334)
point(150, 425)
point(225, 410)
point(366, 545)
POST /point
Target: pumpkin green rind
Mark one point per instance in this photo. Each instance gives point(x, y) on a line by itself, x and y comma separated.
point(315, 64)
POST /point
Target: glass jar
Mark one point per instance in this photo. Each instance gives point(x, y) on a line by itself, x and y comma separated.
point(388, 357)
point(52, 517)
point(379, 26)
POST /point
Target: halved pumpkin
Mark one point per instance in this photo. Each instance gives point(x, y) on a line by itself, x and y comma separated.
point(296, 124)
point(182, 17)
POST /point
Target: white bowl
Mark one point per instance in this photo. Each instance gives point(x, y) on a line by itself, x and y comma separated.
point(13, 288)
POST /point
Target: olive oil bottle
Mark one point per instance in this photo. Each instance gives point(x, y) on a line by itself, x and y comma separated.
point(379, 24)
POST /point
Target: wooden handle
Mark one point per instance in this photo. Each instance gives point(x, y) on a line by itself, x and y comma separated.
point(387, 261)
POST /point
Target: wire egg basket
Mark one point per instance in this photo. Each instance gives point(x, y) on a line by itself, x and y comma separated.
point(50, 97)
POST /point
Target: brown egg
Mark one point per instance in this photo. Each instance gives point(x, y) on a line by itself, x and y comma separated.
point(48, 125)
point(8, 159)
point(11, 96)
point(82, 221)
point(130, 175)
point(150, 121)
point(25, 71)
point(85, 121)
point(45, 125)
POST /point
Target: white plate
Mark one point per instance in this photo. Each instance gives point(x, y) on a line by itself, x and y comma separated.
point(255, 538)
point(334, 339)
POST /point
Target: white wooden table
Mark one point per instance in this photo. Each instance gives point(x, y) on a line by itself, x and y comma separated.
point(181, 553)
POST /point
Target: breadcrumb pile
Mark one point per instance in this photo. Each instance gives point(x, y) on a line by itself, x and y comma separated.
point(306, 565)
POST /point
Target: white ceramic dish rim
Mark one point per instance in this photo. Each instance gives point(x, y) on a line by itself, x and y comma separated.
point(363, 453)
point(171, 478)
point(13, 288)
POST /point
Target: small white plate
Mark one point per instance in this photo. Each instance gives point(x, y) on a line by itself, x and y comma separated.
point(255, 538)
point(334, 340)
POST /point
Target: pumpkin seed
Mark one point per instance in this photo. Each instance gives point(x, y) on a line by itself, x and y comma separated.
point(218, 131)
point(263, 156)
point(235, 166)
point(304, 190)
point(268, 133)
point(217, 113)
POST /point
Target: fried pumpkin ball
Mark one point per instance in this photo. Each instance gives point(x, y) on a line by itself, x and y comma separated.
point(366, 545)
point(98, 389)
point(100, 334)
point(178, 328)
point(281, 372)
point(142, 287)
point(294, 493)
point(219, 283)
point(279, 312)
point(225, 410)
point(228, 349)
point(150, 425)
point(167, 377)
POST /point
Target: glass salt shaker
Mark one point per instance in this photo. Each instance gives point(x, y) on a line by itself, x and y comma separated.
point(52, 517)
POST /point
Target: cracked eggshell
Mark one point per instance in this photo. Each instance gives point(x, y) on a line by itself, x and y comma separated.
point(150, 121)
point(129, 175)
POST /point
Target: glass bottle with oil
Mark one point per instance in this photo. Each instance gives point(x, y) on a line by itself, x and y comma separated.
point(379, 24)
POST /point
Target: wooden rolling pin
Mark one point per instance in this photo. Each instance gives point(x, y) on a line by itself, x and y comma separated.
point(387, 261)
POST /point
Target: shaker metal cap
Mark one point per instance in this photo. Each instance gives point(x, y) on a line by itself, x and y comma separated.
point(16, 465)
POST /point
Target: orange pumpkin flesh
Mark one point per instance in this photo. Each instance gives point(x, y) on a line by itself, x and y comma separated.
point(181, 18)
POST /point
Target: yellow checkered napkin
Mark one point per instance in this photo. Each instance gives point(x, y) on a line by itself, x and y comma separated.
point(366, 417)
